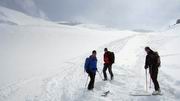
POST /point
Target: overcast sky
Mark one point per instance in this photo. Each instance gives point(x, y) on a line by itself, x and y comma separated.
point(114, 13)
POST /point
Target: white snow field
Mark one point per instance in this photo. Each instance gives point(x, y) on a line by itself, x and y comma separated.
point(44, 61)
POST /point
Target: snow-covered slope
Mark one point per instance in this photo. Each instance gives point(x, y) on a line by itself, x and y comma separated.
point(37, 48)
point(25, 6)
point(43, 61)
point(13, 17)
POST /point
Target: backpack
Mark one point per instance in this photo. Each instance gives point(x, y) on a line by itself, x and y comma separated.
point(86, 65)
point(111, 57)
point(157, 59)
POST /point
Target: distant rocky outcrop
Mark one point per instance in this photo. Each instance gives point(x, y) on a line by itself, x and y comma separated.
point(70, 23)
point(178, 21)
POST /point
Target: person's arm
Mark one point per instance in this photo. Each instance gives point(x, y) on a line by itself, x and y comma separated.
point(159, 62)
point(96, 65)
point(146, 63)
point(104, 58)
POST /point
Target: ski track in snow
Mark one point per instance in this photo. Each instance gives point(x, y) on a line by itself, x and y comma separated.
point(128, 71)
point(74, 89)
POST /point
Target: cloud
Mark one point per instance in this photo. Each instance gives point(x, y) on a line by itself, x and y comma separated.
point(26, 6)
point(115, 13)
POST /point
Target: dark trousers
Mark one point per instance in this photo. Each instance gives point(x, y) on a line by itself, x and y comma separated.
point(154, 75)
point(109, 67)
point(92, 79)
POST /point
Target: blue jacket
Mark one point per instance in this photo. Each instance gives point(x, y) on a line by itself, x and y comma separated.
point(91, 64)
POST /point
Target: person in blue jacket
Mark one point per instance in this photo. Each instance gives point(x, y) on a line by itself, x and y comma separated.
point(91, 68)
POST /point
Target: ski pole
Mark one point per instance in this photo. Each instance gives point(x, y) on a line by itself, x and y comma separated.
point(150, 78)
point(101, 72)
point(146, 80)
point(100, 75)
point(150, 83)
point(86, 81)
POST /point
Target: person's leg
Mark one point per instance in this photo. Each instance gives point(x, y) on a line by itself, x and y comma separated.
point(154, 79)
point(104, 71)
point(91, 82)
point(89, 85)
point(110, 71)
point(156, 82)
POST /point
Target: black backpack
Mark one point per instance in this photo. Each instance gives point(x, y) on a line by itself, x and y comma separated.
point(157, 59)
point(111, 57)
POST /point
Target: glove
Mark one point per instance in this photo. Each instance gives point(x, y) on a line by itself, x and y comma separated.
point(145, 67)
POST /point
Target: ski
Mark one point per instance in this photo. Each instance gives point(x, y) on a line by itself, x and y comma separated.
point(144, 94)
point(105, 93)
point(157, 94)
point(140, 93)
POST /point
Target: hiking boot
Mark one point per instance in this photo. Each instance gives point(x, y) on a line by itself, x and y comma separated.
point(112, 78)
point(157, 92)
point(90, 89)
point(104, 79)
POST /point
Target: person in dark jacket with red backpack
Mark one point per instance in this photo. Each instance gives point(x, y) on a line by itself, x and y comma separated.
point(153, 63)
point(91, 68)
point(107, 64)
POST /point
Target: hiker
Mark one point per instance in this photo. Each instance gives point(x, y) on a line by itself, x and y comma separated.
point(108, 61)
point(153, 63)
point(91, 68)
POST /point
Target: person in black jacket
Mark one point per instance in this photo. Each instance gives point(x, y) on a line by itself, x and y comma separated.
point(153, 62)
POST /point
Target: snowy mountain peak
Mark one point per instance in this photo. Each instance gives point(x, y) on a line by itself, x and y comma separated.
point(25, 6)
point(13, 17)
